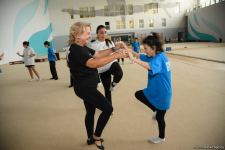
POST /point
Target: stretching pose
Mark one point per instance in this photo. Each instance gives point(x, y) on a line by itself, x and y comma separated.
point(112, 68)
point(157, 95)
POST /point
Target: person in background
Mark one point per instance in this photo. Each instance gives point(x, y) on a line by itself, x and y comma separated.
point(51, 59)
point(28, 58)
point(1, 57)
point(136, 45)
point(118, 40)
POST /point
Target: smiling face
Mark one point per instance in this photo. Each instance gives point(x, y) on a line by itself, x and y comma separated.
point(101, 35)
point(149, 50)
point(85, 36)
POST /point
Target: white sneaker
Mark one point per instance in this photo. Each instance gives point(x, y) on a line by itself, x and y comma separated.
point(30, 80)
point(154, 116)
point(39, 79)
point(156, 140)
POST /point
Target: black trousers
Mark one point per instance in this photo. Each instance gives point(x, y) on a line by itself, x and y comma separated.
point(94, 99)
point(106, 78)
point(160, 114)
point(53, 69)
point(121, 59)
point(71, 80)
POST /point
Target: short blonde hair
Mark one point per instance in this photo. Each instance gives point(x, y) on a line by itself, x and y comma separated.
point(75, 30)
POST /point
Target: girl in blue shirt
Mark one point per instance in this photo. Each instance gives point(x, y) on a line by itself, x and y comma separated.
point(157, 95)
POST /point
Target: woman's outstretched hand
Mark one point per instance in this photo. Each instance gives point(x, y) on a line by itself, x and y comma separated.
point(122, 53)
point(126, 50)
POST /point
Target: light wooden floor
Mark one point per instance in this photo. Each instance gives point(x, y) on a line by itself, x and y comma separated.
point(47, 115)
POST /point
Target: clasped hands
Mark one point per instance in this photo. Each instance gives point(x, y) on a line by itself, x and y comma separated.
point(124, 50)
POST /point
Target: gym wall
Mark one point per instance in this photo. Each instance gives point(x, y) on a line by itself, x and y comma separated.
point(207, 24)
point(24, 20)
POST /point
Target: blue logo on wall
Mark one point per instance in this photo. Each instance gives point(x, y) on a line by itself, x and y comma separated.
point(36, 40)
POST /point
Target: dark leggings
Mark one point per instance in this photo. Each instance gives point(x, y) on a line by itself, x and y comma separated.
point(159, 113)
point(71, 80)
point(117, 73)
point(94, 99)
point(121, 59)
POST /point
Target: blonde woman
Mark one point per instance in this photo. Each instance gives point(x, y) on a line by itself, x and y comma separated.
point(83, 63)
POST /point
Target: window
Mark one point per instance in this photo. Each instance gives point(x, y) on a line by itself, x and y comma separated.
point(92, 12)
point(107, 25)
point(114, 10)
point(120, 24)
point(151, 23)
point(117, 24)
point(141, 23)
point(164, 22)
point(131, 24)
point(86, 12)
point(130, 9)
point(122, 10)
point(177, 8)
point(106, 10)
point(83, 12)
point(151, 8)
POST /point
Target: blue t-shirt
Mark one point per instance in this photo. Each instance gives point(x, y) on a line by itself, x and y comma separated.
point(136, 46)
point(51, 54)
point(159, 88)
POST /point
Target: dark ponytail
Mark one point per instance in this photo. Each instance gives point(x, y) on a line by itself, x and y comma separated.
point(107, 41)
point(154, 40)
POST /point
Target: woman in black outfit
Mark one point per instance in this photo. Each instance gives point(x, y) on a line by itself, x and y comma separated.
point(83, 62)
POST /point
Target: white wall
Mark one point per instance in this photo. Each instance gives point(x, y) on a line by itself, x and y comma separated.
point(207, 23)
point(61, 20)
point(24, 20)
point(29, 20)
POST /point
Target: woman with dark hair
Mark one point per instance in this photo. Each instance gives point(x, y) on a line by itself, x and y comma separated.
point(112, 68)
point(158, 93)
point(28, 58)
point(83, 63)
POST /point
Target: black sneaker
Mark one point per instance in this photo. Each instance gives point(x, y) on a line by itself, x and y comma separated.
point(112, 86)
point(91, 141)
